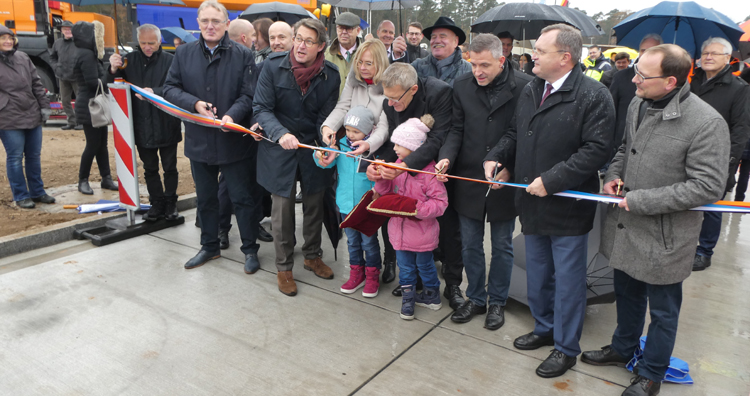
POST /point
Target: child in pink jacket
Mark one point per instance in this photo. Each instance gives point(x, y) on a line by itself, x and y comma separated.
point(414, 238)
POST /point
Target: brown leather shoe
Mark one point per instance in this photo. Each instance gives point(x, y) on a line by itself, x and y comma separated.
point(286, 283)
point(320, 269)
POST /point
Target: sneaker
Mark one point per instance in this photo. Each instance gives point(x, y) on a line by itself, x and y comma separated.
point(170, 208)
point(372, 283)
point(429, 298)
point(407, 302)
point(356, 279)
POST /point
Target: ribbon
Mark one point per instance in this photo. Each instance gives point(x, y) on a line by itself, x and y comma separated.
point(169, 108)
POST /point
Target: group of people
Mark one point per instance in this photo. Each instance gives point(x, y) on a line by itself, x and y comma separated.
point(405, 119)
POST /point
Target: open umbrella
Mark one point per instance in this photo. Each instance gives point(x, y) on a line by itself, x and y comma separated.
point(583, 22)
point(376, 5)
point(170, 33)
point(522, 20)
point(289, 13)
point(686, 24)
point(633, 53)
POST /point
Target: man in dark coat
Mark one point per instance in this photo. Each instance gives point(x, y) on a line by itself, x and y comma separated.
point(561, 137)
point(483, 106)
point(63, 59)
point(729, 95)
point(156, 132)
point(296, 92)
point(215, 77)
point(408, 96)
point(445, 61)
point(414, 38)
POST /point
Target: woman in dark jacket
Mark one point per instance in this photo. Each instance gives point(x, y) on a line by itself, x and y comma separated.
point(23, 108)
point(89, 72)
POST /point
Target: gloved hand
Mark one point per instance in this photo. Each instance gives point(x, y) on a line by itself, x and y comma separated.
point(46, 113)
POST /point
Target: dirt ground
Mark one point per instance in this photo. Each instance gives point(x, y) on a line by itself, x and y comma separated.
point(61, 156)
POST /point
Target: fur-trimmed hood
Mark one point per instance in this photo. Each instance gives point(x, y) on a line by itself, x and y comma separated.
point(90, 36)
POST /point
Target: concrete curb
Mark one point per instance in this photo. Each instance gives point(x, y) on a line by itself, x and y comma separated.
point(34, 239)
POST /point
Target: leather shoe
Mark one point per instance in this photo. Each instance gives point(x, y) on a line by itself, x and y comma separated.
point(46, 198)
point(264, 235)
point(67, 127)
point(108, 183)
point(389, 270)
point(556, 364)
point(84, 187)
point(78, 127)
point(25, 203)
point(701, 262)
point(318, 267)
point(466, 312)
point(607, 356)
point(286, 283)
point(531, 341)
point(495, 317)
point(252, 265)
point(397, 291)
point(201, 258)
point(453, 294)
point(642, 386)
point(223, 240)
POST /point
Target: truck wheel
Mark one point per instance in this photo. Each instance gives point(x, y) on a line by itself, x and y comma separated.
point(48, 80)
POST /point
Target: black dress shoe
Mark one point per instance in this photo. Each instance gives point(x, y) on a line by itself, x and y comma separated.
point(201, 258)
point(264, 235)
point(108, 183)
point(84, 187)
point(701, 262)
point(25, 204)
point(44, 199)
point(252, 265)
point(223, 240)
point(78, 127)
point(389, 270)
point(170, 208)
point(466, 312)
point(642, 386)
point(607, 356)
point(397, 291)
point(531, 341)
point(67, 127)
point(495, 317)
point(556, 364)
point(453, 294)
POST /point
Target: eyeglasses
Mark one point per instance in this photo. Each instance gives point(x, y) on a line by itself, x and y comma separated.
point(413, 33)
point(345, 28)
point(713, 54)
point(368, 64)
point(541, 52)
point(642, 78)
point(308, 42)
point(399, 99)
point(214, 22)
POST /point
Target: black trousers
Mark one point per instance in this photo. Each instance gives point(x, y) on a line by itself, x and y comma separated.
point(225, 205)
point(450, 245)
point(150, 158)
point(96, 147)
point(244, 194)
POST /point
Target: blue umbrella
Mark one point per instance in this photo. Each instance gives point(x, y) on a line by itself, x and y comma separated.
point(686, 24)
point(170, 33)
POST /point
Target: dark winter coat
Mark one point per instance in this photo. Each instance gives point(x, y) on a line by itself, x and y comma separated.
point(153, 127)
point(622, 89)
point(565, 142)
point(477, 126)
point(730, 96)
point(22, 95)
point(427, 67)
point(281, 108)
point(63, 56)
point(225, 79)
point(89, 69)
point(414, 52)
point(433, 97)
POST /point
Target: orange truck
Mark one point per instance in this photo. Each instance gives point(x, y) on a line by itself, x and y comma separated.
point(34, 22)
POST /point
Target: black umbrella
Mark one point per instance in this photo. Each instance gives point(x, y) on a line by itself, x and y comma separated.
point(289, 13)
point(583, 22)
point(522, 20)
point(332, 219)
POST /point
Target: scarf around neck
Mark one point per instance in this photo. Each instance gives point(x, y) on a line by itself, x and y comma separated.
point(303, 75)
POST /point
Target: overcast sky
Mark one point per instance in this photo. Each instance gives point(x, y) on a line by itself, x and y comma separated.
point(736, 10)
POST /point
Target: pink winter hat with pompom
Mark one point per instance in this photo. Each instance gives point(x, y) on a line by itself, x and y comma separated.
point(412, 133)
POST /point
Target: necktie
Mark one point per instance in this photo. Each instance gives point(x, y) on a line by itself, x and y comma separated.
point(546, 93)
point(348, 56)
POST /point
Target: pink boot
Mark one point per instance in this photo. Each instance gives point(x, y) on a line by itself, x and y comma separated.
point(356, 279)
point(372, 284)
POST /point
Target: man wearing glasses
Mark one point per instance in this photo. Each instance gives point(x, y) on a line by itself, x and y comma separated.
point(674, 157)
point(562, 135)
point(728, 94)
point(344, 45)
point(414, 38)
point(215, 77)
point(296, 92)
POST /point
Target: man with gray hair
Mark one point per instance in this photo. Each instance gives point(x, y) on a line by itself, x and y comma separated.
point(674, 157)
point(563, 130)
point(156, 132)
point(728, 94)
point(483, 106)
point(241, 31)
point(344, 46)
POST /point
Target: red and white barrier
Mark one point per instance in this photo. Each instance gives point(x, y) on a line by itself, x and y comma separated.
point(127, 165)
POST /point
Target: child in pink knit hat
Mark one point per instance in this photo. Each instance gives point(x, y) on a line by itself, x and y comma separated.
point(414, 238)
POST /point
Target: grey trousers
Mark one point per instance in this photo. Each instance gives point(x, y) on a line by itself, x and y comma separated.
point(67, 90)
point(283, 225)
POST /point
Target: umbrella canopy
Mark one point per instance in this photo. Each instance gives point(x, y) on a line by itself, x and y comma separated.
point(376, 5)
point(522, 20)
point(633, 53)
point(686, 24)
point(289, 13)
point(170, 33)
point(745, 28)
point(583, 22)
point(122, 2)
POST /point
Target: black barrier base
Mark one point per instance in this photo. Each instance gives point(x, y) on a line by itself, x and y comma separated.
point(120, 229)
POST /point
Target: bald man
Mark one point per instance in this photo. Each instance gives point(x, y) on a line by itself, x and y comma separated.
point(242, 31)
point(280, 37)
